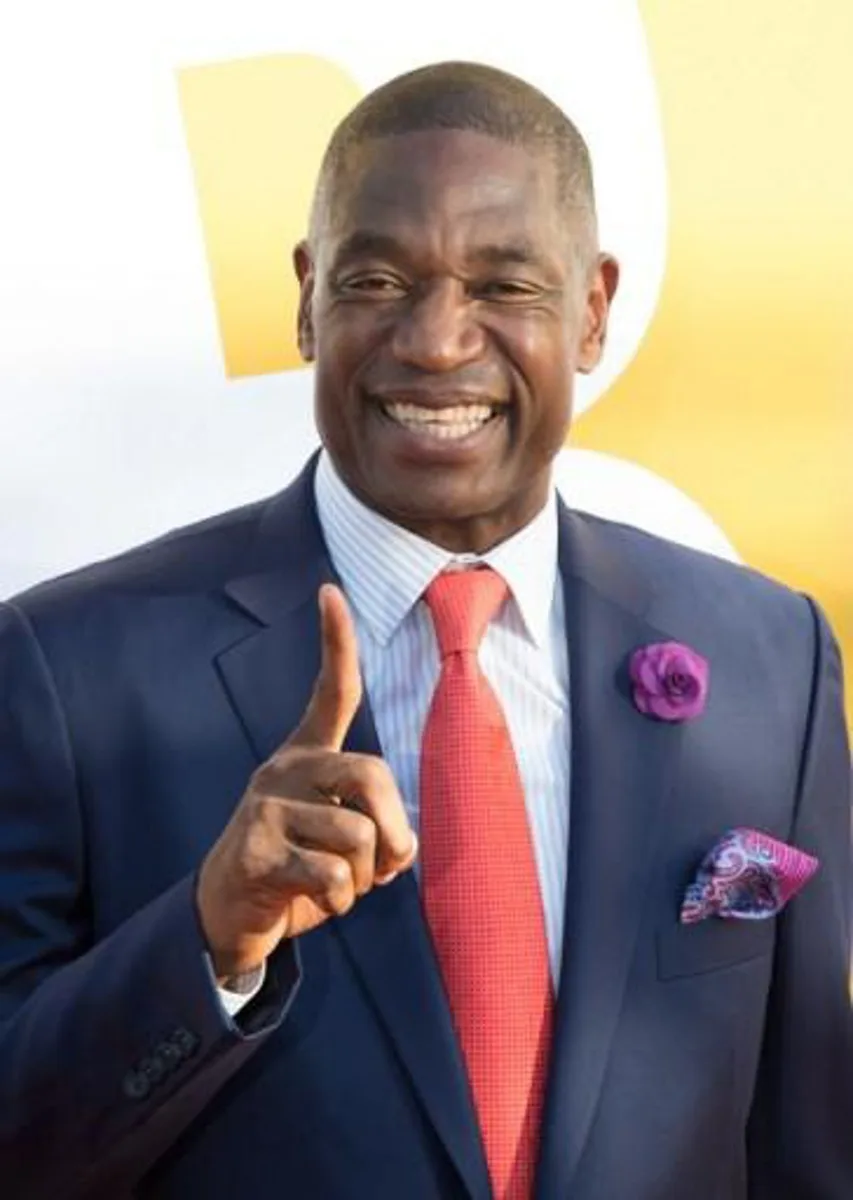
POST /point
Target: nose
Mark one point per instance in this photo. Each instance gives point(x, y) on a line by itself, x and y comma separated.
point(438, 331)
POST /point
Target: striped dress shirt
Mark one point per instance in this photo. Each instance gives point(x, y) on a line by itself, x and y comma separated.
point(385, 570)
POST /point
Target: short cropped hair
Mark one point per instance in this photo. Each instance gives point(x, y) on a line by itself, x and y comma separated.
point(462, 95)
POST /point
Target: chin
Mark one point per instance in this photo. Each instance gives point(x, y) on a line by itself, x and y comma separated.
point(444, 514)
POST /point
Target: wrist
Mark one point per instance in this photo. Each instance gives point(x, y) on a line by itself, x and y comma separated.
point(236, 959)
point(234, 955)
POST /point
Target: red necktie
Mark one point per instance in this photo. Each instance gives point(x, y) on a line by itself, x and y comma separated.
point(481, 888)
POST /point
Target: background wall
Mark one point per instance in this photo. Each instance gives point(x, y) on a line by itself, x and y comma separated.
point(157, 164)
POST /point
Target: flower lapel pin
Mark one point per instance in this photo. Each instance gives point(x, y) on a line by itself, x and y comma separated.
point(669, 680)
point(746, 876)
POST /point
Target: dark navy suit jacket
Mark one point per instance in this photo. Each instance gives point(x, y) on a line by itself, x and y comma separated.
point(712, 1062)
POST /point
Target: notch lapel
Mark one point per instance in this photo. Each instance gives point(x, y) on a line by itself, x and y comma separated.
point(269, 676)
point(623, 765)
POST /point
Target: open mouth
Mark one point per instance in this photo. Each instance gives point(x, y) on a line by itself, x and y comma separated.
point(450, 424)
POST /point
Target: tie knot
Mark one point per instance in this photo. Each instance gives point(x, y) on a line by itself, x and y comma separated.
point(462, 604)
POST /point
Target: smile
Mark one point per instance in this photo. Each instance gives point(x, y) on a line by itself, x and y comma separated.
point(442, 424)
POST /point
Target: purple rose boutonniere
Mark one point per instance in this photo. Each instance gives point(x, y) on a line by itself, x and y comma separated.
point(670, 681)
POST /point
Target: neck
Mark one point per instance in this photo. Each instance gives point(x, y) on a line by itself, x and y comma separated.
point(472, 534)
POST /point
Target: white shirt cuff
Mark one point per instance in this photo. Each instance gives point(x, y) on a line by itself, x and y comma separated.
point(241, 989)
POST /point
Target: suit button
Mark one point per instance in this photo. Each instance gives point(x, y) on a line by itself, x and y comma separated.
point(135, 1086)
point(169, 1055)
point(185, 1041)
point(153, 1068)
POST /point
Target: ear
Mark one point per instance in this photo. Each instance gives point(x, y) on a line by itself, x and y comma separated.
point(303, 265)
point(601, 288)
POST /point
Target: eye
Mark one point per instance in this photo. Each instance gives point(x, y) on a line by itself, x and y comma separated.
point(373, 284)
point(506, 290)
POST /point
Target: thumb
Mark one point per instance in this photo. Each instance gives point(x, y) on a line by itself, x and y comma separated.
point(337, 689)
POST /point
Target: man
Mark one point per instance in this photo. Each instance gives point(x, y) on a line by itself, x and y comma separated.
point(344, 837)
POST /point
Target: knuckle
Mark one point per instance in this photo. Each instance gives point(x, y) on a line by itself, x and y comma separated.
point(340, 900)
point(284, 761)
point(263, 781)
point(330, 690)
point(398, 845)
point(363, 834)
point(262, 787)
point(267, 812)
point(258, 859)
point(343, 903)
point(338, 875)
point(282, 775)
point(332, 698)
point(375, 774)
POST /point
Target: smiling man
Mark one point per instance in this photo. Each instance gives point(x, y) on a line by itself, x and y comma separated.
point(451, 289)
point(347, 840)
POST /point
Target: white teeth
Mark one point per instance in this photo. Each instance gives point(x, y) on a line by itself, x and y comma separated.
point(462, 413)
point(448, 432)
point(442, 423)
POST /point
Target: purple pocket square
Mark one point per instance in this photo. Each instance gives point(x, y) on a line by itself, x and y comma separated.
point(746, 876)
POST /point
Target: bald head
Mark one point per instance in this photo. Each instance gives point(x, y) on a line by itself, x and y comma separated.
point(463, 96)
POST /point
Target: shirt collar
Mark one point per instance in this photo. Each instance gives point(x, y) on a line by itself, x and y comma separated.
point(385, 569)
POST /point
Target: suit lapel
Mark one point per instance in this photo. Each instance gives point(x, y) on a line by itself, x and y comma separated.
point(622, 769)
point(269, 675)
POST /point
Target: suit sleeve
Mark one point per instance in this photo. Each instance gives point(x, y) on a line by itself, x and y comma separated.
point(108, 1050)
point(801, 1129)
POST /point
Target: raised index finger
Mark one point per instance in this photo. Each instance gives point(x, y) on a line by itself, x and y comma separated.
point(337, 690)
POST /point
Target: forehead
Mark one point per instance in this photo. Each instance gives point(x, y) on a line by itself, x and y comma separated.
point(447, 185)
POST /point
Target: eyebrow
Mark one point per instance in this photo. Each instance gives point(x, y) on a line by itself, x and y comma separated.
point(519, 251)
point(365, 243)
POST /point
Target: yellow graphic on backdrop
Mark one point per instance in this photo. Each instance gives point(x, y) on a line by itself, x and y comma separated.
point(256, 130)
point(738, 394)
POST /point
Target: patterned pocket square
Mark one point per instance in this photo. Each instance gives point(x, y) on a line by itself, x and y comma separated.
point(747, 876)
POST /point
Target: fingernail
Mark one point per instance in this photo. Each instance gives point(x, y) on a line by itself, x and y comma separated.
point(387, 879)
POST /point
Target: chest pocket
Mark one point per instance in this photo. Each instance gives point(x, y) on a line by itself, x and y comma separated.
point(712, 945)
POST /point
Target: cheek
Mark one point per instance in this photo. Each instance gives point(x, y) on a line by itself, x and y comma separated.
point(545, 359)
point(549, 375)
point(540, 344)
point(346, 326)
point(332, 339)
